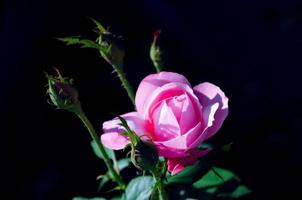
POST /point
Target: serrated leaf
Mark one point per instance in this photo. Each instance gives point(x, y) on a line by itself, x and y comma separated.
point(211, 179)
point(118, 198)
point(99, 26)
point(240, 191)
point(186, 192)
point(78, 40)
point(99, 154)
point(133, 137)
point(217, 173)
point(123, 163)
point(140, 188)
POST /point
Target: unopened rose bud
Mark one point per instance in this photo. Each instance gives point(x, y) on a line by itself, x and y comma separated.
point(112, 48)
point(144, 156)
point(156, 53)
point(62, 93)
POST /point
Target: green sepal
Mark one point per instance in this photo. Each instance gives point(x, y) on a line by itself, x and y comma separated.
point(83, 42)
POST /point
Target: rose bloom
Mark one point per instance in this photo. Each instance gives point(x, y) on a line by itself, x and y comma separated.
point(175, 117)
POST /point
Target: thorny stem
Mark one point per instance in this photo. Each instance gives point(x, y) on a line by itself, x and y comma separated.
point(125, 83)
point(159, 184)
point(107, 161)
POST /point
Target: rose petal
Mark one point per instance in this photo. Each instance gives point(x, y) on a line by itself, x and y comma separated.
point(209, 118)
point(176, 105)
point(134, 121)
point(114, 140)
point(169, 152)
point(182, 142)
point(193, 134)
point(189, 118)
point(209, 94)
point(151, 83)
point(176, 165)
point(165, 124)
point(167, 92)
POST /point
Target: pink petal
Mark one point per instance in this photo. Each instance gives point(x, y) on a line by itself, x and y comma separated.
point(151, 83)
point(114, 140)
point(189, 118)
point(176, 105)
point(164, 122)
point(111, 137)
point(134, 121)
point(182, 142)
point(209, 118)
point(193, 134)
point(169, 152)
point(166, 92)
point(209, 94)
point(176, 165)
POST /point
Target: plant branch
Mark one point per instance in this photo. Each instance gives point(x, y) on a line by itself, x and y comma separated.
point(159, 184)
point(116, 177)
point(125, 83)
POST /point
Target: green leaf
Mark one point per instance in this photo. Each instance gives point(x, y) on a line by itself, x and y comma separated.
point(227, 147)
point(99, 26)
point(186, 192)
point(99, 154)
point(84, 43)
point(118, 198)
point(123, 163)
point(190, 174)
point(103, 180)
point(83, 198)
point(140, 188)
point(211, 178)
point(240, 191)
point(133, 137)
point(205, 146)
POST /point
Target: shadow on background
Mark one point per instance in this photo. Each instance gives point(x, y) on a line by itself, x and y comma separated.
point(252, 49)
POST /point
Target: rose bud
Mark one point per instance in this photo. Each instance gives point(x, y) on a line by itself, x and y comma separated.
point(156, 53)
point(112, 48)
point(144, 156)
point(62, 93)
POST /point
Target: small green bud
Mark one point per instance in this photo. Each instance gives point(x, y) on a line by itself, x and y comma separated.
point(156, 53)
point(62, 94)
point(112, 48)
point(144, 156)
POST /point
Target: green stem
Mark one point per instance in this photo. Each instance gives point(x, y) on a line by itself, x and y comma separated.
point(161, 191)
point(95, 137)
point(125, 83)
point(158, 66)
point(160, 187)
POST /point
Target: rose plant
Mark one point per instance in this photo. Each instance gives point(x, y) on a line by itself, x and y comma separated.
point(166, 132)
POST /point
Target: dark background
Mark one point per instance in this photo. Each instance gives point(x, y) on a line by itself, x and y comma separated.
point(251, 49)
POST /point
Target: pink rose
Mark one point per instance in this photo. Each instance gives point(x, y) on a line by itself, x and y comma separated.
point(175, 117)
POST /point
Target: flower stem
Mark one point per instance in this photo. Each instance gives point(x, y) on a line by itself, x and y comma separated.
point(125, 82)
point(159, 184)
point(161, 191)
point(107, 161)
point(158, 66)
